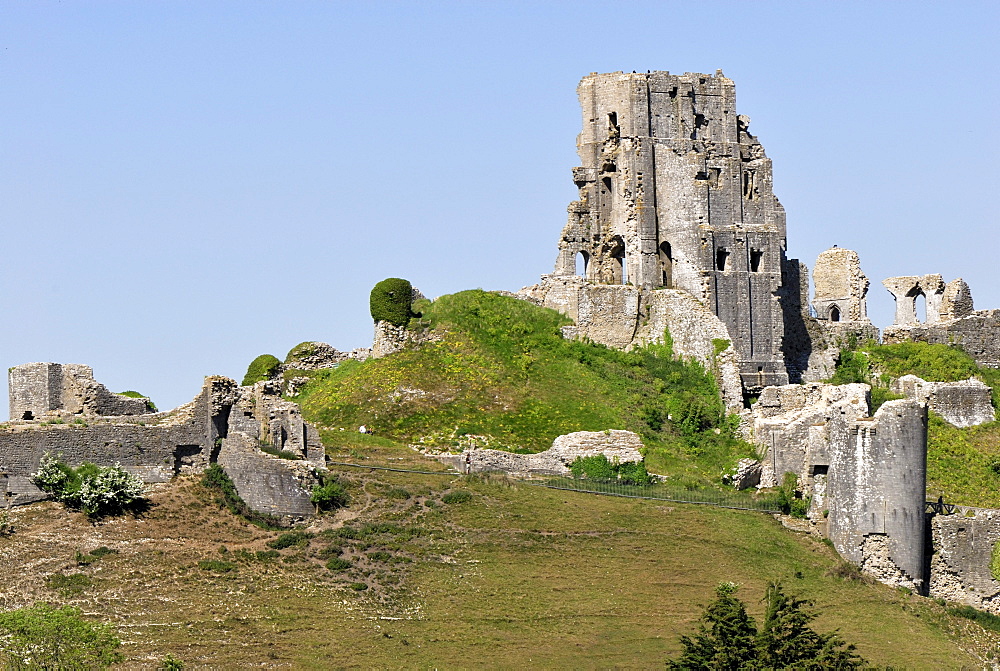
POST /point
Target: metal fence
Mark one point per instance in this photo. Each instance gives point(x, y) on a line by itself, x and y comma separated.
point(658, 491)
point(666, 492)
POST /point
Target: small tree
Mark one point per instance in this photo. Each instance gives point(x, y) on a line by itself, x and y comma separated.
point(729, 639)
point(96, 490)
point(391, 301)
point(45, 637)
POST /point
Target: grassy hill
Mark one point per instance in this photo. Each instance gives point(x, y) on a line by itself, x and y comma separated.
point(506, 575)
point(496, 372)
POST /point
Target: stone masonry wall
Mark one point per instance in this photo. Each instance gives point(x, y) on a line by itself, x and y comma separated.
point(965, 403)
point(44, 389)
point(960, 566)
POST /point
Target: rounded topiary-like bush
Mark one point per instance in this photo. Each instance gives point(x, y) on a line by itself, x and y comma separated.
point(391, 301)
point(261, 368)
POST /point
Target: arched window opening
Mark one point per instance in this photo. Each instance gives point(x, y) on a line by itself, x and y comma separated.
point(582, 261)
point(618, 266)
point(666, 265)
point(756, 256)
point(721, 258)
point(27, 415)
point(920, 308)
point(835, 314)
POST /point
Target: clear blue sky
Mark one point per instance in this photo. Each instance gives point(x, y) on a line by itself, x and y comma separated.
point(186, 185)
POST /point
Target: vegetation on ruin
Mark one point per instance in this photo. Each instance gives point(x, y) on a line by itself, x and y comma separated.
point(391, 300)
point(216, 480)
point(301, 351)
point(97, 491)
point(536, 577)
point(260, 369)
point(499, 374)
point(963, 465)
point(134, 394)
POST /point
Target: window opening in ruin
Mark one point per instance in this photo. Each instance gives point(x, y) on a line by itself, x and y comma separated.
point(749, 184)
point(835, 314)
point(613, 129)
point(920, 308)
point(27, 415)
point(820, 469)
point(582, 260)
point(666, 265)
point(755, 258)
point(721, 258)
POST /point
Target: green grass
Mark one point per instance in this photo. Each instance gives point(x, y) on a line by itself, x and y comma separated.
point(500, 375)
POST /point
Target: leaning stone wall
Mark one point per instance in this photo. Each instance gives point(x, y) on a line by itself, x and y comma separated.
point(267, 484)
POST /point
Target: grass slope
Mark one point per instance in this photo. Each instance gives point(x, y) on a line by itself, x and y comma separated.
point(515, 576)
point(496, 372)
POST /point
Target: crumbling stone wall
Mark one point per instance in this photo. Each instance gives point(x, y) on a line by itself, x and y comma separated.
point(977, 334)
point(222, 418)
point(965, 403)
point(675, 192)
point(53, 389)
point(616, 445)
point(960, 565)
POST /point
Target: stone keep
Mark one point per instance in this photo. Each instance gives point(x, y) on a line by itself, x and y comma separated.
point(675, 192)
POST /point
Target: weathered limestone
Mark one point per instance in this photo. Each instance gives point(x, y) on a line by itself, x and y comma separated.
point(876, 491)
point(840, 287)
point(221, 424)
point(866, 475)
point(905, 291)
point(617, 445)
point(675, 192)
point(52, 389)
point(965, 403)
point(960, 566)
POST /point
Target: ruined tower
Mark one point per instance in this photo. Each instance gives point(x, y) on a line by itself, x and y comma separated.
point(676, 193)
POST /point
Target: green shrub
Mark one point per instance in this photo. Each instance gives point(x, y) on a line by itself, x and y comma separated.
point(380, 555)
point(281, 454)
point(984, 619)
point(995, 561)
point(457, 496)
point(134, 394)
point(45, 637)
point(287, 540)
point(397, 493)
point(338, 564)
point(260, 369)
point(597, 467)
point(331, 494)
point(98, 491)
point(358, 586)
point(216, 565)
point(91, 557)
point(68, 585)
point(301, 351)
point(789, 499)
point(391, 301)
point(171, 663)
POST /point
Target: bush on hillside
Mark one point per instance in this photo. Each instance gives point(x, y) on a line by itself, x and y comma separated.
point(96, 490)
point(391, 301)
point(260, 369)
point(597, 467)
point(45, 637)
point(331, 494)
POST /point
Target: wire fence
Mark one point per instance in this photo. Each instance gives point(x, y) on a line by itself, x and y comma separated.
point(657, 491)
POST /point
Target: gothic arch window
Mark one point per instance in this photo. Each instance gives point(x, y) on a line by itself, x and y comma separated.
point(666, 265)
point(582, 261)
point(834, 313)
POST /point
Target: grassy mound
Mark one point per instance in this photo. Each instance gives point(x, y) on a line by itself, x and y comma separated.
point(496, 372)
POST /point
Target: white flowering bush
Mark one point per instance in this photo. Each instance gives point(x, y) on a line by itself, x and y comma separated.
point(95, 490)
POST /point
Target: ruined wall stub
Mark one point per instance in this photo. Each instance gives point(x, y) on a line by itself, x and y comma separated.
point(906, 289)
point(42, 389)
point(675, 192)
point(840, 287)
